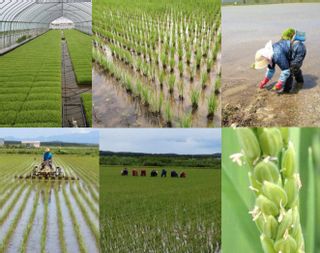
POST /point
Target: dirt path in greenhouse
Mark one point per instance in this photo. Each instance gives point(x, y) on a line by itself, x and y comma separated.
point(242, 102)
point(72, 108)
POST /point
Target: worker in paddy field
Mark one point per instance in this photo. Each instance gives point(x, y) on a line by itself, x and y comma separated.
point(47, 158)
point(288, 54)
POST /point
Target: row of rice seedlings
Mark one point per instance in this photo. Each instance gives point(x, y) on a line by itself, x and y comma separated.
point(186, 121)
point(84, 176)
point(62, 235)
point(88, 201)
point(10, 192)
point(148, 98)
point(84, 212)
point(217, 85)
point(88, 180)
point(6, 239)
point(212, 105)
point(18, 167)
point(30, 222)
point(45, 221)
point(75, 223)
point(195, 96)
point(12, 204)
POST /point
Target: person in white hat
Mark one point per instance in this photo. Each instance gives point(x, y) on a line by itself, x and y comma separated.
point(270, 56)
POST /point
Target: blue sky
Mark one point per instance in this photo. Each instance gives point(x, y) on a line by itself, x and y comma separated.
point(78, 135)
point(175, 140)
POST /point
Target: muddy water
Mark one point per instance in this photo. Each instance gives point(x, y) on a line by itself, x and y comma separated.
point(71, 239)
point(52, 244)
point(113, 107)
point(15, 242)
point(241, 38)
point(88, 237)
point(6, 225)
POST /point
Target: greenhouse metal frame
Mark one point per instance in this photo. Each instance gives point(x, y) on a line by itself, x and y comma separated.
point(32, 18)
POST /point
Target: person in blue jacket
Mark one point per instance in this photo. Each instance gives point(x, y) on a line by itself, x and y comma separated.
point(47, 158)
point(298, 54)
point(288, 55)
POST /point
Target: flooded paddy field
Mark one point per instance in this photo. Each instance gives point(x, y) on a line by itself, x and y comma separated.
point(245, 30)
point(39, 215)
point(161, 71)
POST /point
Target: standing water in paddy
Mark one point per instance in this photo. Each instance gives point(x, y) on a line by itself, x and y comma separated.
point(163, 58)
point(43, 204)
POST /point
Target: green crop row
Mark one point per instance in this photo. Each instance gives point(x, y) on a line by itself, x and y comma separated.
point(87, 103)
point(79, 45)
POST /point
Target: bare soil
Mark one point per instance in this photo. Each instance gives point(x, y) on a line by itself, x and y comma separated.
point(245, 30)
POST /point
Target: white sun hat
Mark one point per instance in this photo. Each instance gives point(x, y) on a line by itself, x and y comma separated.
point(263, 56)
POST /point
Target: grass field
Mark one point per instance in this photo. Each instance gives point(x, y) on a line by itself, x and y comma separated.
point(30, 84)
point(79, 45)
point(144, 214)
point(165, 54)
point(49, 216)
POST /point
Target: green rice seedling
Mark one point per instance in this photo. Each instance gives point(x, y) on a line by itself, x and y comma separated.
point(128, 83)
point(87, 219)
point(204, 80)
point(180, 66)
point(139, 64)
point(75, 222)
point(172, 64)
point(212, 105)
point(217, 85)
point(195, 96)
point(79, 45)
point(156, 103)
point(198, 59)
point(168, 114)
point(164, 60)
point(45, 222)
point(89, 202)
point(161, 78)
point(186, 121)
point(188, 56)
point(27, 230)
point(87, 104)
point(181, 90)
point(139, 88)
point(171, 83)
point(172, 52)
point(5, 241)
point(193, 71)
point(62, 240)
point(180, 53)
point(269, 155)
point(209, 65)
point(145, 95)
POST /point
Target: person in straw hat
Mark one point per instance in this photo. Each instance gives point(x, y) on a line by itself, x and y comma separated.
point(288, 54)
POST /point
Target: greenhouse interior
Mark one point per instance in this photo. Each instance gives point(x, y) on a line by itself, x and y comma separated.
point(45, 63)
point(31, 18)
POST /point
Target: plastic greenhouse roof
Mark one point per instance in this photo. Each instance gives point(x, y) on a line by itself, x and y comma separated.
point(45, 11)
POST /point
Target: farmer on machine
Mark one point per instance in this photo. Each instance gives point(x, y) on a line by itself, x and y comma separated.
point(288, 54)
point(47, 158)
